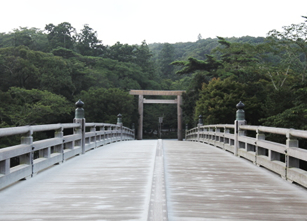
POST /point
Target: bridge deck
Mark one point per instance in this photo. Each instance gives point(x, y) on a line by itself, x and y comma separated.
point(145, 180)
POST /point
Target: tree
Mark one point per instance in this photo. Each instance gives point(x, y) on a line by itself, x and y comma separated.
point(33, 38)
point(166, 57)
point(237, 59)
point(275, 64)
point(293, 39)
point(62, 35)
point(210, 65)
point(25, 68)
point(143, 58)
point(87, 42)
point(122, 52)
point(218, 99)
point(103, 105)
point(17, 68)
point(27, 107)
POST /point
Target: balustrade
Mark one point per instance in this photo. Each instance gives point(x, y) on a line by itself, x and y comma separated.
point(35, 156)
point(286, 159)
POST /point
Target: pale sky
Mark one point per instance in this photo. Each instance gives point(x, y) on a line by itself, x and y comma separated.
point(132, 21)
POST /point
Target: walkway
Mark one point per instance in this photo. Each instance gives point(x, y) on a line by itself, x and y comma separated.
point(125, 181)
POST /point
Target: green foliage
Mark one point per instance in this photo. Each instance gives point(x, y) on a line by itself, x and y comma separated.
point(103, 105)
point(61, 65)
point(24, 68)
point(62, 35)
point(295, 117)
point(28, 107)
point(293, 43)
point(18, 68)
point(87, 42)
point(151, 120)
point(166, 57)
point(192, 65)
point(63, 52)
point(33, 38)
point(218, 99)
point(287, 107)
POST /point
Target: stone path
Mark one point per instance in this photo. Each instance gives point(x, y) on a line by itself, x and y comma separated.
point(154, 180)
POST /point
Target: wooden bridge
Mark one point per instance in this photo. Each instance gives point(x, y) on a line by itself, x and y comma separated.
point(98, 171)
point(154, 180)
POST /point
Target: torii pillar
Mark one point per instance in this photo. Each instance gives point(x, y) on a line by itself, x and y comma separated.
point(143, 101)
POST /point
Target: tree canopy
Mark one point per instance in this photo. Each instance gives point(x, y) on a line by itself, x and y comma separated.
point(43, 73)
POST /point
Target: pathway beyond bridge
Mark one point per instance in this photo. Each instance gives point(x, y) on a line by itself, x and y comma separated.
point(154, 180)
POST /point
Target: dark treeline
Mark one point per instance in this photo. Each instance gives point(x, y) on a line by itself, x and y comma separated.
point(43, 72)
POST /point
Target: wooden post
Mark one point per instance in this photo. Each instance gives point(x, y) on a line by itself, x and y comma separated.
point(79, 118)
point(240, 120)
point(179, 117)
point(140, 129)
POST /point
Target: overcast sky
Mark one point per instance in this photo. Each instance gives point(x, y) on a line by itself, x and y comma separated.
point(132, 21)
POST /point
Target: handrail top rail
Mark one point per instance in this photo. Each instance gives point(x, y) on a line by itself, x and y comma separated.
point(276, 130)
point(9, 131)
point(92, 124)
point(218, 126)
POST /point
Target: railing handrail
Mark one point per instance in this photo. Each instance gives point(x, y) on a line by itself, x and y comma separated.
point(265, 129)
point(54, 150)
point(9, 131)
point(217, 125)
point(281, 158)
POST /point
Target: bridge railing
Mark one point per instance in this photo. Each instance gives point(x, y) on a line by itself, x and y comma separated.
point(283, 156)
point(26, 159)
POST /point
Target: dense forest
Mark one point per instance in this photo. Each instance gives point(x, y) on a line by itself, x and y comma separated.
point(44, 72)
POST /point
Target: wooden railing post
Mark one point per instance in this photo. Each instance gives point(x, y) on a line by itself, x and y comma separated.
point(290, 161)
point(259, 136)
point(186, 130)
point(79, 118)
point(120, 124)
point(200, 123)
point(59, 149)
point(240, 120)
point(29, 157)
point(103, 134)
point(5, 167)
point(133, 130)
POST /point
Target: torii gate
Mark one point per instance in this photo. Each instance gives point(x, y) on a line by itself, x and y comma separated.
point(143, 101)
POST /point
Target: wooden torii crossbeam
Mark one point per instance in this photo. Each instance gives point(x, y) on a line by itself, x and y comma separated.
point(142, 101)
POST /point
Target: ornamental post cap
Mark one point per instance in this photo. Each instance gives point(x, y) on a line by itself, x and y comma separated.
point(119, 119)
point(79, 104)
point(240, 105)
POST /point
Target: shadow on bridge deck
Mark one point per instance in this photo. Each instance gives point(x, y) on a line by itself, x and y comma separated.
point(125, 181)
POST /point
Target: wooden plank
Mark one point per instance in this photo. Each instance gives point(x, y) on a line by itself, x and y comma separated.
point(109, 183)
point(207, 183)
point(125, 181)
